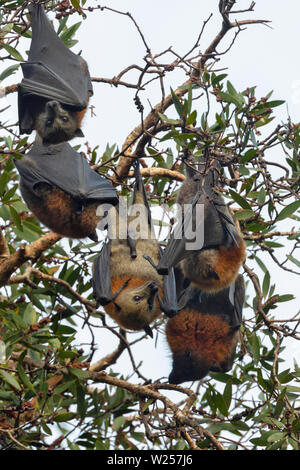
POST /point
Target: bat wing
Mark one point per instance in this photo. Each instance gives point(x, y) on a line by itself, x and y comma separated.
point(52, 71)
point(205, 223)
point(237, 298)
point(170, 297)
point(139, 192)
point(101, 276)
point(60, 165)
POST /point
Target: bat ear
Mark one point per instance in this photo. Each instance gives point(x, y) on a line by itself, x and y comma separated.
point(79, 133)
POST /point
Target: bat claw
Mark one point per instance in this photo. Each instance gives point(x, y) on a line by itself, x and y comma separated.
point(150, 260)
point(148, 331)
point(93, 236)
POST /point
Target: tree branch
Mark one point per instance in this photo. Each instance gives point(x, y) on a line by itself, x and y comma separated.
point(25, 253)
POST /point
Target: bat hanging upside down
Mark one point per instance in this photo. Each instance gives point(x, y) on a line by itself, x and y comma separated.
point(62, 190)
point(203, 335)
point(54, 94)
point(214, 265)
point(128, 287)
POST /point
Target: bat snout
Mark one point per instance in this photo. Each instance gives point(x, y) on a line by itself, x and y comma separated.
point(52, 104)
point(51, 110)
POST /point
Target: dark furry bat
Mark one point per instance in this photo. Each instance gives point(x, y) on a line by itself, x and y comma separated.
point(62, 190)
point(214, 265)
point(128, 287)
point(203, 335)
point(52, 74)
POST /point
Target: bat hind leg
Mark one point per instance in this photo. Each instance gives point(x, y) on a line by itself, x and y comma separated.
point(132, 245)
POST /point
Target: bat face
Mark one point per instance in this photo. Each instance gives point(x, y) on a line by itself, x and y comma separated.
point(56, 124)
point(186, 367)
point(135, 307)
point(52, 72)
point(213, 270)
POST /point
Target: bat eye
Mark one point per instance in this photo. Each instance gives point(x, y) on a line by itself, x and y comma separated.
point(136, 298)
point(64, 119)
point(49, 122)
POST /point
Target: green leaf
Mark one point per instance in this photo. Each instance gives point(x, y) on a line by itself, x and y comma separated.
point(243, 215)
point(276, 436)
point(254, 341)
point(221, 404)
point(240, 200)
point(147, 404)
point(266, 284)
point(227, 394)
point(29, 315)
point(288, 210)
point(192, 118)
point(293, 260)
point(80, 374)
point(8, 378)
point(16, 218)
point(232, 96)
point(165, 118)
point(264, 121)
point(261, 264)
point(177, 104)
point(13, 52)
point(62, 24)
point(24, 379)
point(76, 4)
point(69, 33)
point(81, 401)
point(118, 422)
point(62, 417)
point(7, 72)
point(190, 99)
point(285, 298)
point(216, 79)
point(273, 104)
point(248, 156)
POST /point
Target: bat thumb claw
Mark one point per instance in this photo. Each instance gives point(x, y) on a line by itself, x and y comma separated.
point(148, 331)
point(93, 236)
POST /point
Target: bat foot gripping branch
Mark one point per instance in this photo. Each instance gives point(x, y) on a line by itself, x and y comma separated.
point(168, 311)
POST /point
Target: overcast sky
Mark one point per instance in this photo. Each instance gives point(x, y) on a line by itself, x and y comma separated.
point(261, 56)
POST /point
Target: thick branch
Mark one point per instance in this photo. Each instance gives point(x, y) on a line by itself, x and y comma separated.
point(26, 252)
point(161, 172)
point(4, 251)
point(109, 359)
point(147, 391)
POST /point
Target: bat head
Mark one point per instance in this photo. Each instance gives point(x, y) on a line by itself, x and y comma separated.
point(187, 367)
point(135, 307)
point(57, 124)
